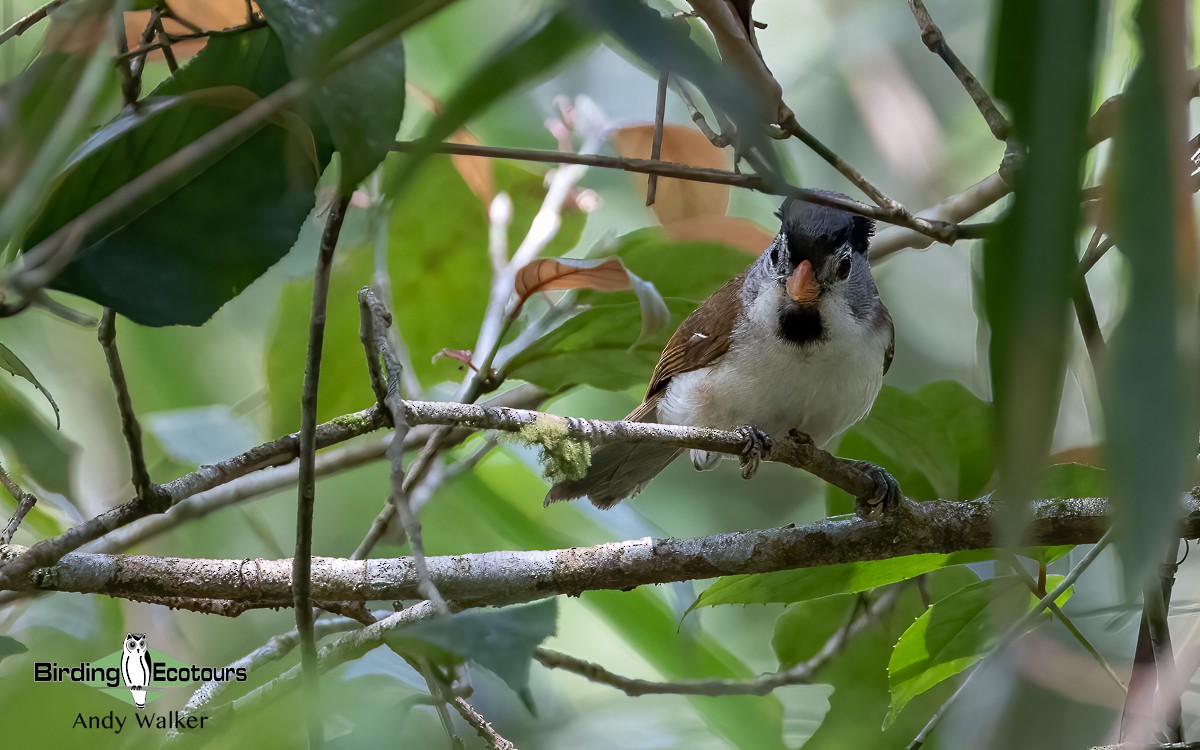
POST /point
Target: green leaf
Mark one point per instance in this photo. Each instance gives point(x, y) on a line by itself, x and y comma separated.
point(786, 586)
point(50, 106)
point(438, 261)
point(44, 452)
point(501, 640)
point(1044, 67)
point(363, 102)
point(10, 647)
point(601, 346)
point(804, 627)
point(204, 236)
point(954, 633)
point(11, 362)
point(1150, 394)
point(345, 385)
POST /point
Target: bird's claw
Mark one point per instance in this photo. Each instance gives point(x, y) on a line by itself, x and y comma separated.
point(884, 498)
point(758, 443)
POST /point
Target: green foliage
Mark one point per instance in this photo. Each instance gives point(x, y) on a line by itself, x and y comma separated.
point(501, 640)
point(602, 346)
point(955, 633)
point(1044, 66)
point(788, 586)
point(361, 103)
point(202, 237)
point(44, 452)
point(11, 362)
point(1151, 394)
point(10, 646)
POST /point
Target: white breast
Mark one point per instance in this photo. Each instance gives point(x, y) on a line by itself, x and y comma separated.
point(821, 389)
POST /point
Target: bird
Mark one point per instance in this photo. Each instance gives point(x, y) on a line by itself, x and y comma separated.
point(135, 667)
point(800, 340)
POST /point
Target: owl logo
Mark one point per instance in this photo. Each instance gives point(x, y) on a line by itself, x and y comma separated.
point(135, 667)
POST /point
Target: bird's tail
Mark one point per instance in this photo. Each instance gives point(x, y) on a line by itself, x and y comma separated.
point(139, 697)
point(618, 470)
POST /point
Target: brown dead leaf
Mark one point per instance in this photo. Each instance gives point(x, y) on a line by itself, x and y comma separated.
point(476, 171)
point(740, 233)
point(678, 199)
point(206, 14)
point(601, 274)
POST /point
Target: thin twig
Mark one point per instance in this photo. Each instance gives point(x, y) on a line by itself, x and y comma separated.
point(1065, 620)
point(660, 114)
point(800, 674)
point(143, 489)
point(482, 726)
point(25, 503)
point(168, 53)
point(935, 229)
point(1014, 632)
point(933, 38)
point(29, 20)
point(302, 563)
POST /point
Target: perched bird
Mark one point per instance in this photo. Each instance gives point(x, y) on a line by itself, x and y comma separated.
point(798, 341)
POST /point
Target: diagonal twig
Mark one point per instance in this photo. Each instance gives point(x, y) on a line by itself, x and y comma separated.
point(933, 38)
point(29, 20)
point(25, 503)
point(144, 490)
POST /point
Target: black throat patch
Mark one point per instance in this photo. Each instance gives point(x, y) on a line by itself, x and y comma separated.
point(801, 325)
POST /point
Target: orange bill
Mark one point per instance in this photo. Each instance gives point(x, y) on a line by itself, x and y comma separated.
point(802, 285)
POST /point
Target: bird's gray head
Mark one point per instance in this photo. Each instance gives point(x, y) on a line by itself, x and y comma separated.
point(817, 266)
point(135, 643)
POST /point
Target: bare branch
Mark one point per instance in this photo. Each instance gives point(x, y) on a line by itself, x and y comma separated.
point(932, 36)
point(306, 500)
point(25, 503)
point(498, 578)
point(29, 20)
point(933, 228)
point(482, 726)
point(800, 674)
point(143, 489)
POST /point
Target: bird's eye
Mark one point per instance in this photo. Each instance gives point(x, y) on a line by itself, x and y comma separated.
point(843, 269)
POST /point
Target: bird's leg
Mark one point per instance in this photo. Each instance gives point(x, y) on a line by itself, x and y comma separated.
point(886, 496)
point(757, 444)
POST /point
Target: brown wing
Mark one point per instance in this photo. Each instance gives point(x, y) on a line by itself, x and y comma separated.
point(701, 339)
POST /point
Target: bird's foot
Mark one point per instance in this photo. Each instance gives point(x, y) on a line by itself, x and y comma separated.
point(757, 445)
point(883, 499)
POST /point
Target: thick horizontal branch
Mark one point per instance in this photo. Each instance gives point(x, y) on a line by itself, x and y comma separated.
point(498, 578)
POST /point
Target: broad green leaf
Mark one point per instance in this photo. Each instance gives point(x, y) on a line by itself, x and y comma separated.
point(1043, 69)
point(207, 234)
point(1150, 396)
point(967, 420)
point(786, 586)
point(490, 509)
point(954, 633)
point(362, 103)
point(44, 452)
point(345, 385)
point(440, 273)
point(502, 640)
point(11, 362)
point(804, 627)
point(600, 346)
point(10, 647)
